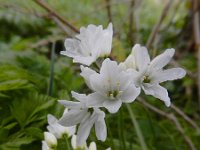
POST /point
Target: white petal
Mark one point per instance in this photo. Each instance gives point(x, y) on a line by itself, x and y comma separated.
point(130, 94)
point(92, 146)
point(73, 117)
point(50, 139)
point(105, 42)
point(66, 111)
point(169, 74)
point(51, 119)
point(109, 68)
point(95, 100)
point(45, 146)
point(142, 58)
point(84, 60)
point(130, 62)
point(86, 116)
point(86, 73)
point(75, 50)
point(110, 74)
point(162, 60)
point(100, 127)
point(73, 142)
point(71, 130)
point(112, 105)
point(84, 131)
point(125, 79)
point(70, 104)
point(79, 97)
point(99, 84)
point(55, 128)
point(158, 92)
point(52, 130)
point(72, 48)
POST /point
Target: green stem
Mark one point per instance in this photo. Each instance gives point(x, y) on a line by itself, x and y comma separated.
point(51, 78)
point(67, 142)
point(110, 134)
point(121, 133)
point(137, 128)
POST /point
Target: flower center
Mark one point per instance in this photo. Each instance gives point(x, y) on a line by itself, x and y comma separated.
point(114, 94)
point(146, 79)
point(90, 110)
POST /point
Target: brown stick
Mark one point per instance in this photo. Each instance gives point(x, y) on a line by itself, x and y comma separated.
point(60, 24)
point(196, 26)
point(108, 8)
point(52, 12)
point(45, 41)
point(173, 118)
point(131, 22)
point(157, 26)
point(185, 117)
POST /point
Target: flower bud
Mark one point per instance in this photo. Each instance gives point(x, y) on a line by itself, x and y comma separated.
point(50, 139)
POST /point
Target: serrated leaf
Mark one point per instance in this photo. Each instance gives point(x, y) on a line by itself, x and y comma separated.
point(14, 84)
point(34, 132)
point(29, 109)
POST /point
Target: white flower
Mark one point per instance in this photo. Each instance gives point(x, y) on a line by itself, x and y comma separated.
point(74, 144)
point(56, 129)
point(92, 145)
point(86, 73)
point(91, 43)
point(45, 146)
point(79, 113)
point(50, 140)
point(112, 86)
point(148, 74)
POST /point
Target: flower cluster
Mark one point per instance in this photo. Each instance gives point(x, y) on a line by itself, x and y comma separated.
point(111, 84)
point(57, 131)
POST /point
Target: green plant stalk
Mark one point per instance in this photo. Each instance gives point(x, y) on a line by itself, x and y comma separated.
point(121, 133)
point(67, 142)
point(137, 128)
point(51, 78)
point(110, 134)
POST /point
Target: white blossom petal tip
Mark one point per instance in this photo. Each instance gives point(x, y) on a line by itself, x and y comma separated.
point(50, 139)
point(92, 146)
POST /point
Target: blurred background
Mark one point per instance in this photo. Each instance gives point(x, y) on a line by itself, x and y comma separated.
point(33, 75)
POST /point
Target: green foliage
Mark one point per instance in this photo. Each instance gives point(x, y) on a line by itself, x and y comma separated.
point(27, 32)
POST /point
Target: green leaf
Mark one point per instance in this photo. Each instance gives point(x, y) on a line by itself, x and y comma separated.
point(14, 84)
point(14, 144)
point(31, 108)
point(3, 134)
point(34, 132)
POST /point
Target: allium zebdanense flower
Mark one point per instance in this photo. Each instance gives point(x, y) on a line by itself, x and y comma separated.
point(148, 74)
point(112, 86)
point(57, 130)
point(91, 43)
point(80, 113)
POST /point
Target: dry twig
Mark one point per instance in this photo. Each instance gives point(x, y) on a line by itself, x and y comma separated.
point(108, 8)
point(185, 117)
point(53, 13)
point(173, 118)
point(131, 22)
point(157, 26)
point(60, 24)
point(46, 41)
point(196, 24)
